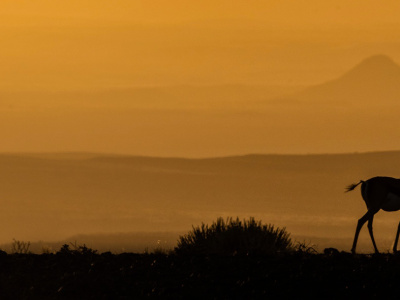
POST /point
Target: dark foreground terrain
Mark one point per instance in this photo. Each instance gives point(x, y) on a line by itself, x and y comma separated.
point(85, 275)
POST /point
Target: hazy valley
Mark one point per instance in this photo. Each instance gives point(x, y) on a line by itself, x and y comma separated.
point(53, 197)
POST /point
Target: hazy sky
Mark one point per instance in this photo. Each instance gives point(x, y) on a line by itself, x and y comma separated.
point(95, 44)
point(81, 76)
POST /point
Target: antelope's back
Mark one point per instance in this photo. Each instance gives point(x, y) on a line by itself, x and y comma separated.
point(381, 184)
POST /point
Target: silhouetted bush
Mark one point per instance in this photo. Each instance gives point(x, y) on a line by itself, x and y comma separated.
point(20, 247)
point(235, 237)
point(304, 248)
point(78, 250)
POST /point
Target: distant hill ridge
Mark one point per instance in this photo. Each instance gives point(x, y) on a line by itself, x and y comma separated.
point(119, 157)
point(376, 67)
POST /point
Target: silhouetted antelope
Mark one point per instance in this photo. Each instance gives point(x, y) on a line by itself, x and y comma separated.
point(378, 193)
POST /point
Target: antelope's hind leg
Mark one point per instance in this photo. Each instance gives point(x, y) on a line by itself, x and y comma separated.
point(369, 216)
point(397, 239)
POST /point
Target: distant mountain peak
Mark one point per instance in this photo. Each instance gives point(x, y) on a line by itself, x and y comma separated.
point(378, 59)
point(374, 78)
point(374, 66)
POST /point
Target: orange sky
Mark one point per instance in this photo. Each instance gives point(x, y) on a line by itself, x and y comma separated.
point(73, 74)
point(96, 44)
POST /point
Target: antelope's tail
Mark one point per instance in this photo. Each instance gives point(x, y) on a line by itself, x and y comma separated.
point(353, 186)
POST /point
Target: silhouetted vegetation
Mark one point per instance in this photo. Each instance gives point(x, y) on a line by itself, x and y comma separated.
point(230, 259)
point(82, 273)
point(233, 237)
point(305, 248)
point(20, 247)
point(77, 250)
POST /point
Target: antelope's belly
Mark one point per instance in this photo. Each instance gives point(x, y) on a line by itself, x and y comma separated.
point(391, 203)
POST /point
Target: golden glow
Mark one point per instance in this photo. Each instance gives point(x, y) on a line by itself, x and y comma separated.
point(93, 44)
point(183, 78)
point(191, 79)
